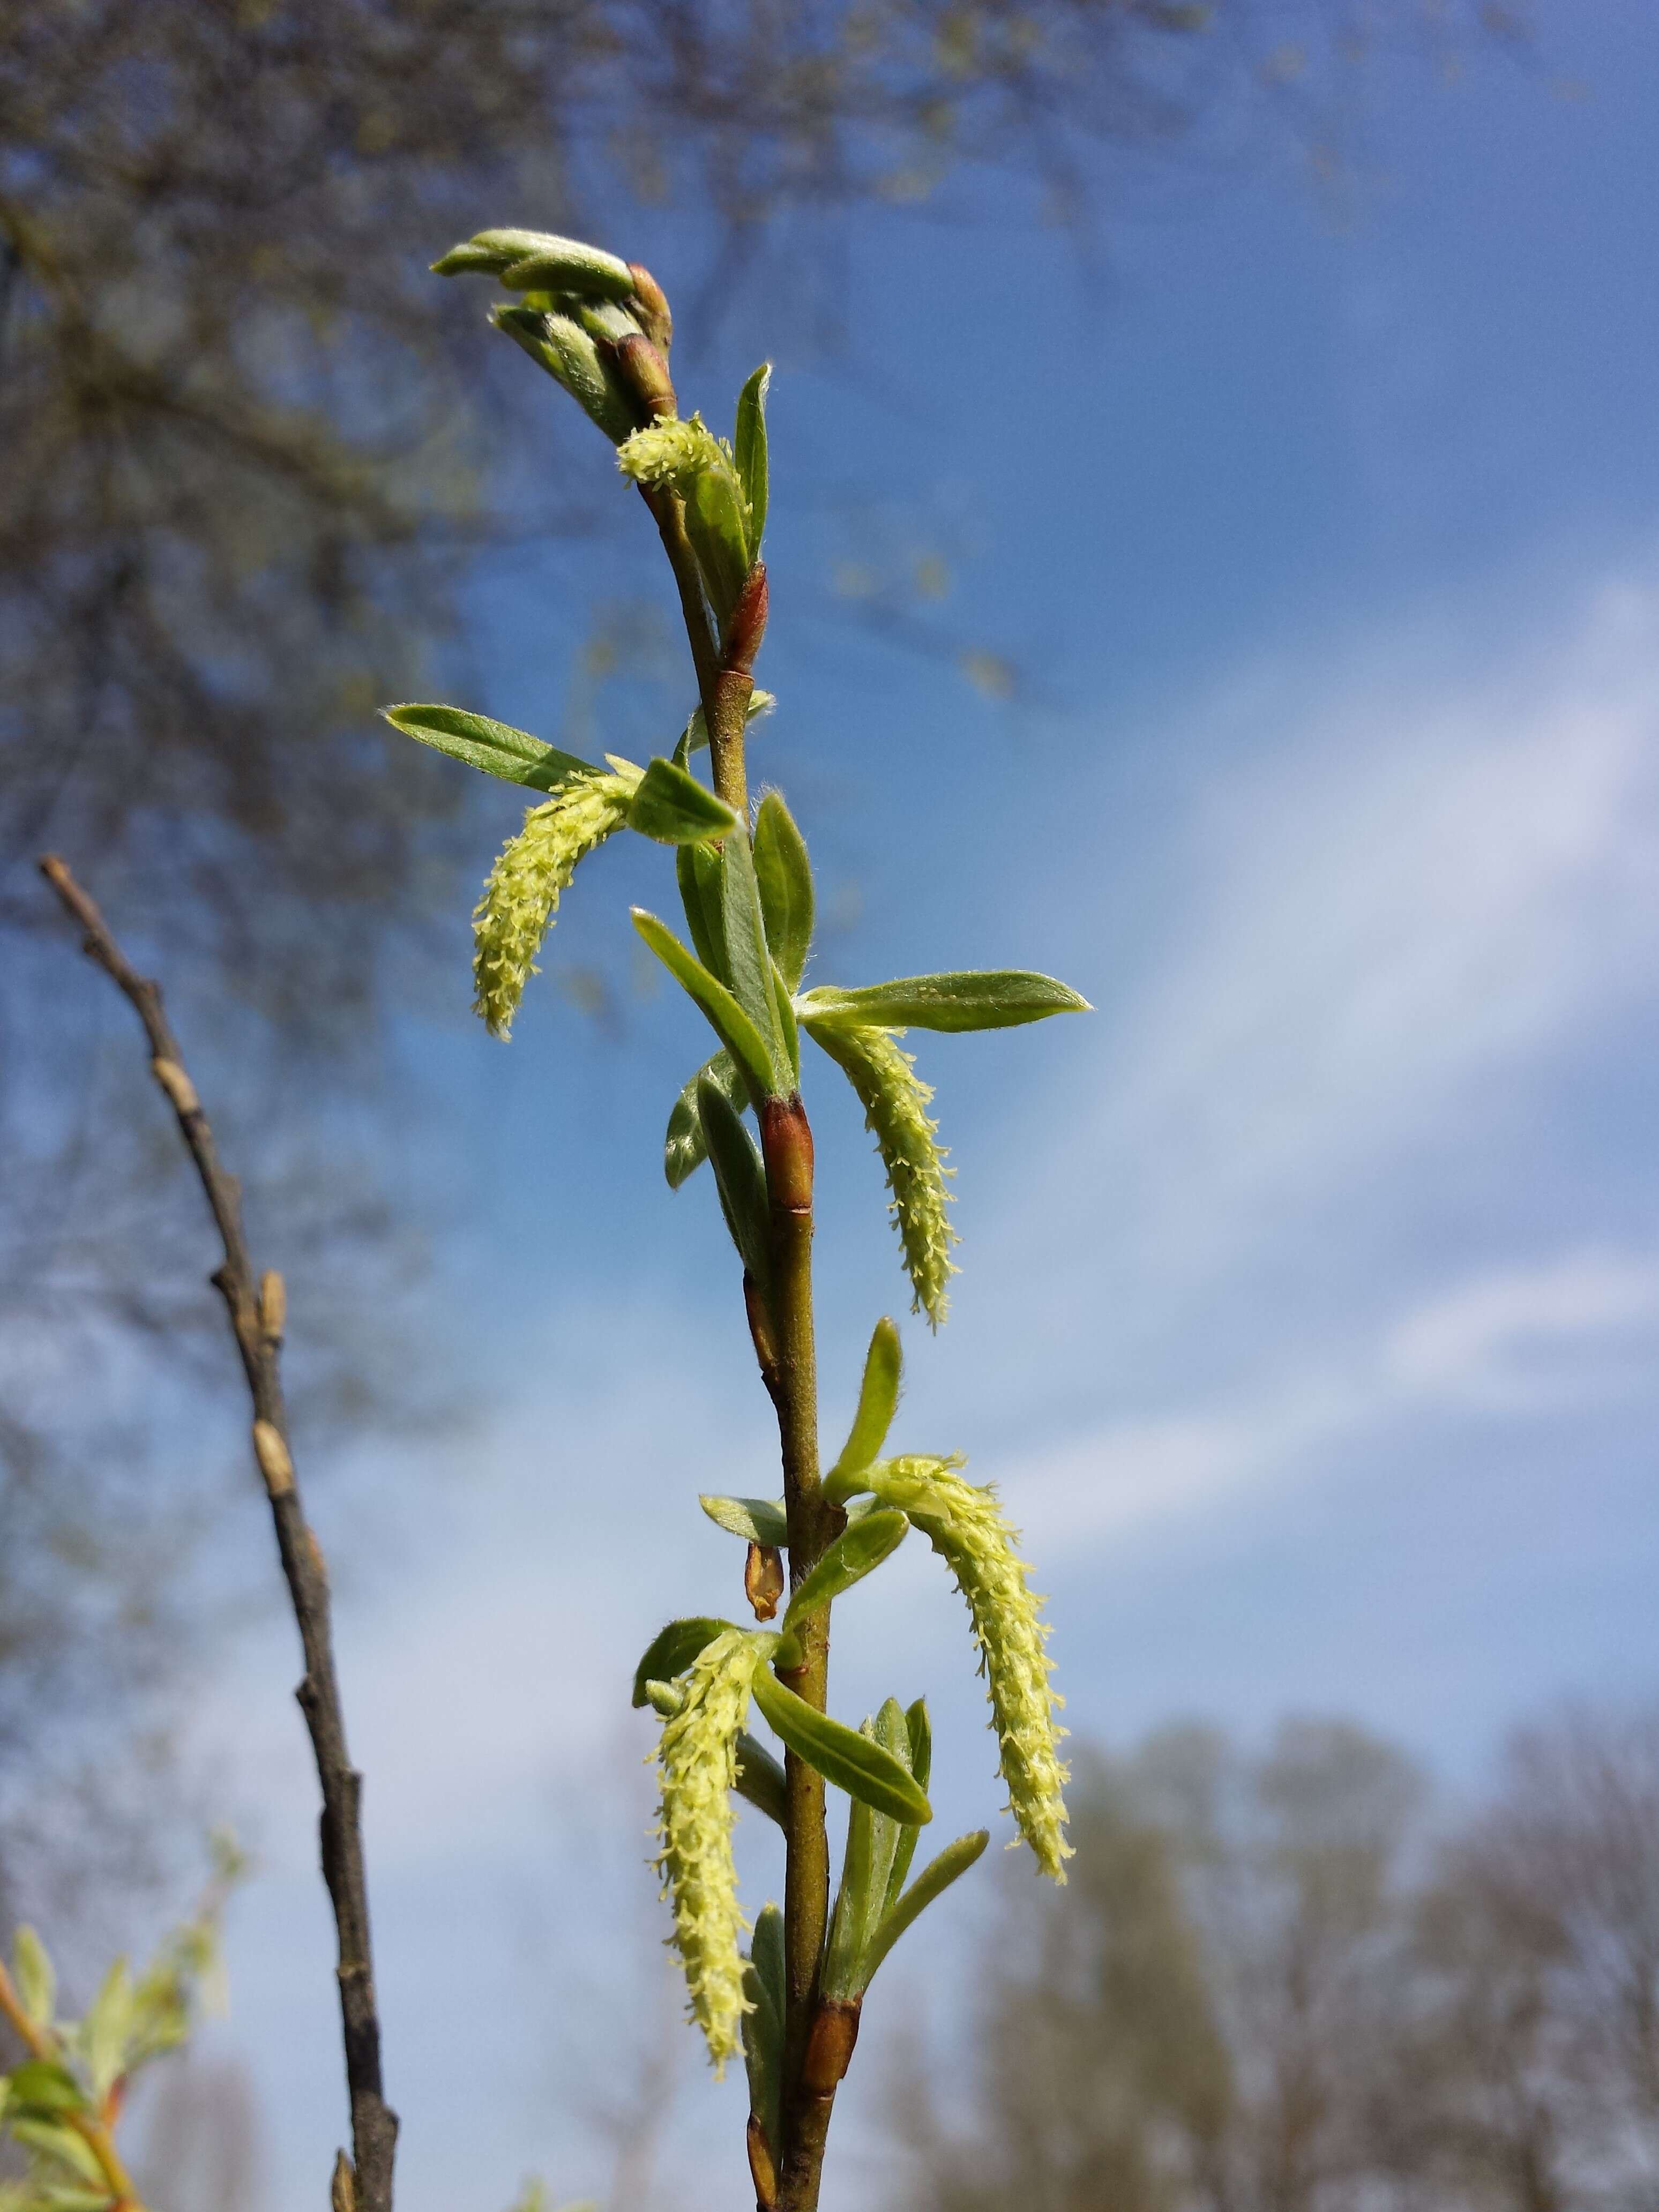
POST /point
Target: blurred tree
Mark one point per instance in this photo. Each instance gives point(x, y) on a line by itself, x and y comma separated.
point(1210, 1989)
point(244, 480)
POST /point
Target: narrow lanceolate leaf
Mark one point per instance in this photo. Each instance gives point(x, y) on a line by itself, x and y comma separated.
point(674, 808)
point(762, 2028)
point(733, 1026)
point(684, 1150)
point(840, 1755)
point(874, 1842)
point(784, 876)
point(697, 872)
point(522, 894)
point(858, 1550)
point(696, 1762)
point(749, 450)
point(989, 999)
point(919, 1731)
point(35, 1976)
point(967, 1526)
point(760, 1779)
point(494, 747)
point(894, 1102)
point(878, 1403)
point(561, 264)
point(740, 1178)
point(933, 1881)
point(671, 1650)
point(757, 1519)
point(749, 959)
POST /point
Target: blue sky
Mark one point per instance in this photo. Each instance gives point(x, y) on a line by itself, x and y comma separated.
point(1310, 1286)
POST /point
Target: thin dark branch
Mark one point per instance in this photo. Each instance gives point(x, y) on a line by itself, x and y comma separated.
point(256, 1309)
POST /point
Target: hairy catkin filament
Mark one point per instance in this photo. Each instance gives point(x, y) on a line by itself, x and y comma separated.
point(522, 894)
point(968, 1528)
point(697, 1760)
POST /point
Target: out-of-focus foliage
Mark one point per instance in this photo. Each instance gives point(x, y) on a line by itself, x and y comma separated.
point(1271, 1986)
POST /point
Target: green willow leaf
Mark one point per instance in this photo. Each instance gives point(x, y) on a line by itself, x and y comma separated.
point(740, 1178)
point(988, 999)
point(762, 2028)
point(761, 1779)
point(684, 1150)
point(670, 805)
point(749, 450)
point(919, 1737)
point(569, 355)
point(931, 1882)
point(732, 1024)
point(757, 1519)
point(840, 1755)
point(697, 872)
point(749, 958)
point(671, 1650)
point(857, 1552)
point(35, 1976)
point(47, 2087)
point(879, 1395)
point(784, 876)
point(495, 748)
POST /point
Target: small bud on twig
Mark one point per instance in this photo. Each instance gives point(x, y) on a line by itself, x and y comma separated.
point(763, 2169)
point(343, 2191)
point(763, 1580)
point(272, 1454)
point(273, 1306)
point(747, 627)
point(650, 306)
point(178, 1086)
point(643, 370)
point(833, 2031)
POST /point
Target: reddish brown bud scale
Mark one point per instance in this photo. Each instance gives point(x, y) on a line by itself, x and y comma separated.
point(645, 372)
point(763, 2169)
point(741, 646)
point(786, 1148)
point(829, 2044)
point(651, 307)
point(763, 1580)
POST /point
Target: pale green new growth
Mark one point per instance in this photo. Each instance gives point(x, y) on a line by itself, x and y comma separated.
point(522, 894)
point(674, 454)
point(894, 1100)
point(967, 1526)
point(697, 1762)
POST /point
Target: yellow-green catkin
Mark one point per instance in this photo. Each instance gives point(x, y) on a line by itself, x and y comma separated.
point(895, 1101)
point(522, 894)
point(967, 1526)
point(674, 452)
point(697, 1759)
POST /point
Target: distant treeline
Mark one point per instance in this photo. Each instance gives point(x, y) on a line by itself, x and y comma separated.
point(1276, 1984)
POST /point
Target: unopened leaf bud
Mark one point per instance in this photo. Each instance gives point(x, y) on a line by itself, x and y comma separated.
point(643, 370)
point(272, 1454)
point(273, 1305)
point(559, 344)
point(538, 261)
point(744, 633)
point(763, 1580)
point(650, 306)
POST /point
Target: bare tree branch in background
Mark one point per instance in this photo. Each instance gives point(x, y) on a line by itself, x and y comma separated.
point(257, 1309)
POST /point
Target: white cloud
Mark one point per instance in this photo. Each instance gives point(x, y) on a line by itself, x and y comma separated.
point(1425, 881)
point(1501, 1344)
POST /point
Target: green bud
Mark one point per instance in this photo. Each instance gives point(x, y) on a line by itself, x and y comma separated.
point(559, 344)
point(526, 883)
point(967, 1526)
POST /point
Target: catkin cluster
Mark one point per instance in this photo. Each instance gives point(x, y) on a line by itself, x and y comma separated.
point(522, 894)
point(894, 1100)
point(674, 452)
point(697, 1759)
point(969, 1529)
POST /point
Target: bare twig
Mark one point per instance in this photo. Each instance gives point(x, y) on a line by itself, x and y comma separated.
point(256, 1309)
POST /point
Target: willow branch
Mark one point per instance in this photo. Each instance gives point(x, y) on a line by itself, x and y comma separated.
point(255, 1308)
